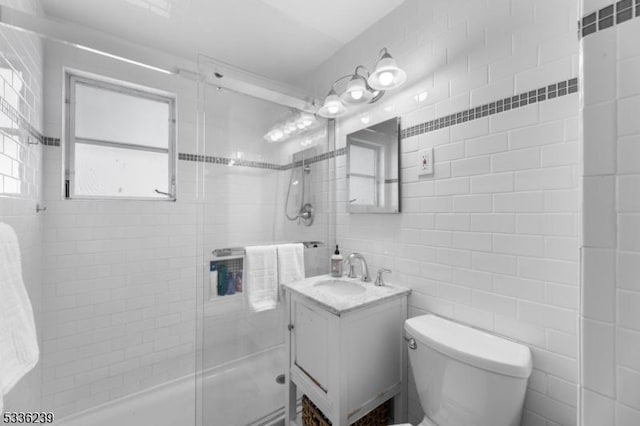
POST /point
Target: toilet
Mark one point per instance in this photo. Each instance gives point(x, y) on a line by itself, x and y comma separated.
point(464, 376)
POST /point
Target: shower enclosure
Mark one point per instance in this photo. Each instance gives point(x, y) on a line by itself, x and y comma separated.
point(251, 191)
point(125, 311)
point(117, 331)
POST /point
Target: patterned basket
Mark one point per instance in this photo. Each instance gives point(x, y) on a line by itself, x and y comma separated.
point(312, 416)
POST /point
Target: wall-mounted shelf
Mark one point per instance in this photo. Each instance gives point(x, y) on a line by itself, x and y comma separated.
point(226, 277)
point(223, 258)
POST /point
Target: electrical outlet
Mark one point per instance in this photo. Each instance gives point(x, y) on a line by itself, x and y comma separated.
point(425, 162)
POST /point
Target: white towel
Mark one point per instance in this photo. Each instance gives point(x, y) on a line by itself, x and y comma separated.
point(18, 340)
point(261, 277)
point(290, 263)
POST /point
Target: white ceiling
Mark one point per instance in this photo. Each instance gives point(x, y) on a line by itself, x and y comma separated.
point(279, 39)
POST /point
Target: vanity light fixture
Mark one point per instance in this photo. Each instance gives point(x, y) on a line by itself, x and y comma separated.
point(387, 75)
point(293, 126)
point(363, 87)
point(358, 90)
point(332, 105)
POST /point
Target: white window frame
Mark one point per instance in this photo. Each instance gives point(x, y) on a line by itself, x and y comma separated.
point(71, 78)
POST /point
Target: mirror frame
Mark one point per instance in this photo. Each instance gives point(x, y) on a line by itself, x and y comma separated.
point(397, 207)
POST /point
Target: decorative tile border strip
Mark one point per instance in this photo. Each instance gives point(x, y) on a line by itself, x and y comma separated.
point(539, 95)
point(46, 140)
point(14, 115)
point(608, 16)
point(228, 161)
point(316, 158)
point(49, 141)
point(542, 94)
point(258, 164)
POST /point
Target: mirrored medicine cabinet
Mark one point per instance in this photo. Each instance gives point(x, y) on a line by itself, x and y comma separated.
point(373, 168)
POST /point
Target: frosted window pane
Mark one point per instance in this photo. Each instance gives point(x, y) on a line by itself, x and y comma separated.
point(115, 172)
point(6, 122)
point(362, 160)
point(362, 189)
point(117, 117)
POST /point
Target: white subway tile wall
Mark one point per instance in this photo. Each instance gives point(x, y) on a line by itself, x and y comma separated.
point(611, 225)
point(492, 239)
point(120, 277)
point(21, 70)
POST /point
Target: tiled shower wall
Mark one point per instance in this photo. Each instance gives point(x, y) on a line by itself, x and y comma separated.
point(251, 216)
point(120, 276)
point(318, 193)
point(21, 68)
point(492, 238)
point(611, 222)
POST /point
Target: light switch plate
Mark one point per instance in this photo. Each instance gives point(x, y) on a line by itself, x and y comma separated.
point(425, 162)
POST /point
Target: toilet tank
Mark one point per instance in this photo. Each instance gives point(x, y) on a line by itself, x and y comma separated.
point(464, 376)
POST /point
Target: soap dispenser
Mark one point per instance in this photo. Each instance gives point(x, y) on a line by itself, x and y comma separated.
point(336, 263)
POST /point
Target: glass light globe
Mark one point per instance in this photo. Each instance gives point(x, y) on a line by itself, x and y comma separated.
point(332, 106)
point(386, 78)
point(357, 94)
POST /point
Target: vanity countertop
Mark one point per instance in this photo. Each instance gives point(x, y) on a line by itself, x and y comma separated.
point(339, 304)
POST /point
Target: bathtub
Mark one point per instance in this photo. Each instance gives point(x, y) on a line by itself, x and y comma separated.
point(250, 380)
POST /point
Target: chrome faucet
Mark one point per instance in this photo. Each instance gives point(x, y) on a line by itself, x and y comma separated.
point(365, 269)
point(379, 279)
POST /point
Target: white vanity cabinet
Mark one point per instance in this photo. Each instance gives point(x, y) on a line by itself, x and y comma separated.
point(347, 361)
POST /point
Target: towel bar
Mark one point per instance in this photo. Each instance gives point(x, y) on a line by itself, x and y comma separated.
point(237, 251)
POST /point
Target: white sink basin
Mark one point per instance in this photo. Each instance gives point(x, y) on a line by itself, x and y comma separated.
point(341, 295)
point(340, 287)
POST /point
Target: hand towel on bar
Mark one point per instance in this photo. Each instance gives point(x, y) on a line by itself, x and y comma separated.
point(290, 263)
point(18, 340)
point(261, 277)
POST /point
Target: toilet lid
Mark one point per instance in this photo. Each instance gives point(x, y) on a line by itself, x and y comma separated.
point(471, 346)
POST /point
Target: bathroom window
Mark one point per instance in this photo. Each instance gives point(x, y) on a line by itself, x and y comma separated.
point(120, 141)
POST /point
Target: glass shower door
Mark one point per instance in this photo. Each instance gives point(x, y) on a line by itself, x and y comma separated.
point(243, 181)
